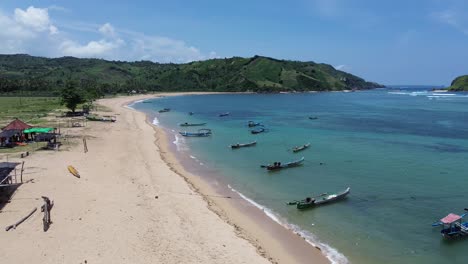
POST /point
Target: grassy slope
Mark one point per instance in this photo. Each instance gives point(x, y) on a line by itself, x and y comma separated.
point(459, 84)
point(31, 110)
point(232, 74)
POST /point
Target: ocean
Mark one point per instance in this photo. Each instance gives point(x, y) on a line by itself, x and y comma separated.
point(403, 152)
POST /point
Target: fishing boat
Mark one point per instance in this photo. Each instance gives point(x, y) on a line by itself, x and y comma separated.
point(321, 199)
point(191, 113)
point(238, 145)
point(257, 131)
point(279, 165)
point(453, 226)
point(313, 117)
point(224, 114)
point(297, 149)
point(253, 124)
point(191, 124)
point(205, 132)
point(164, 110)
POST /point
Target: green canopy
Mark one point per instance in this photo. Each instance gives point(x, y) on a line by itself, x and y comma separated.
point(38, 130)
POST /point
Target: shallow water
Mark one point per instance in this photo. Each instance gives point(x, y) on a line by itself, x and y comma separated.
point(402, 152)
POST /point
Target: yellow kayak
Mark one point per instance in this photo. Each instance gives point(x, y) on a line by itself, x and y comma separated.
point(73, 171)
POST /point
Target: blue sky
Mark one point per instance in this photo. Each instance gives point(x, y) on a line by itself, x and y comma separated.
point(390, 42)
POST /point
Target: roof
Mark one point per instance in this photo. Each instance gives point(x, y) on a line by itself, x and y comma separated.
point(16, 125)
point(38, 130)
point(450, 218)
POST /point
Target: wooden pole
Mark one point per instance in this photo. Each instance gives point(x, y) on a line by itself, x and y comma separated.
point(22, 169)
point(20, 221)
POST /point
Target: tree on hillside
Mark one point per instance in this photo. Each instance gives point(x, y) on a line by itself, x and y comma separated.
point(72, 96)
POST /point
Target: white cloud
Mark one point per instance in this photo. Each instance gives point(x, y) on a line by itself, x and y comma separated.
point(452, 18)
point(36, 19)
point(32, 31)
point(99, 48)
point(107, 30)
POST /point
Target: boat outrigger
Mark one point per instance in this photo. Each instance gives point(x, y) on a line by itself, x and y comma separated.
point(201, 133)
point(323, 198)
point(253, 124)
point(453, 226)
point(164, 110)
point(238, 145)
point(257, 131)
point(279, 165)
point(191, 124)
point(297, 149)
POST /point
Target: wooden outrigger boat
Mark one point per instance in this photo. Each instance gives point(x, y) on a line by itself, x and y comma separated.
point(323, 198)
point(453, 226)
point(236, 146)
point(191, 124)
point(205, 132)
point(253, 124)
point(313, 117)
point(224, 114)
point(297, 149)
point(257, 131)
point(164, 110)
point(279, 165)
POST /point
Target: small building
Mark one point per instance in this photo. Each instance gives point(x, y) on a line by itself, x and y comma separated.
point(13, 133)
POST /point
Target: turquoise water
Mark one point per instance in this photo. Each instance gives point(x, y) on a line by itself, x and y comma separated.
point(403, 153)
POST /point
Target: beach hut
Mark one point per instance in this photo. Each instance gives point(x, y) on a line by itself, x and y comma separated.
point(13, 132)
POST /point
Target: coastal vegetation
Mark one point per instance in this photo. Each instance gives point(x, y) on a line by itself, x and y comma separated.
point(459, 84)
point(30, 75)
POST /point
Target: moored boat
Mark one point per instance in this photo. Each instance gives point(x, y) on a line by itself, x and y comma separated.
point(453, 226)
point(191, 124)
point(313, 117)
point(224, 114)
point(164, 110)
point(323, 198)
point(253, 124)
point(257, 131)
point(201, 133)
point(279, 165)
point(238, 145)
point(297, 149)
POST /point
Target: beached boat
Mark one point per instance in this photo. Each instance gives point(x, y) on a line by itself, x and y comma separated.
point(201, 133)
point(253, 124)
point(101, 118)
point(313, 117)
point(279, 165)
point(224, 114)
point(238, 145)
point(453, 226)
point(191, 124)
point(323, 198)
point(257, 131)
point(164, 110)
point(297, 149)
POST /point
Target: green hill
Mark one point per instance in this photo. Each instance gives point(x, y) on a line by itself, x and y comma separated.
point(459, 84)
point(259, 74)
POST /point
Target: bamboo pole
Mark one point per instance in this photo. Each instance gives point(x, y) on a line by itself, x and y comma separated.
point(20, 221)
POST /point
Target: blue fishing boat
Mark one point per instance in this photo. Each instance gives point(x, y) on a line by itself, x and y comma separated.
point(453, 226)
point(205, 132)
point(164, 110)
point(279, 165)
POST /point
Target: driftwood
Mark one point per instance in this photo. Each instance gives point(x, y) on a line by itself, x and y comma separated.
point(20, 221)
point(46, 207)
point(85, 145)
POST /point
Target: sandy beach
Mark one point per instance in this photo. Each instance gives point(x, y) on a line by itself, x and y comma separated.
point(135, 203)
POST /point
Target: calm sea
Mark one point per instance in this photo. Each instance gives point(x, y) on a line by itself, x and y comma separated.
point(403, 152)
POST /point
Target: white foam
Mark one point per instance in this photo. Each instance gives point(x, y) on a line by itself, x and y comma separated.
point(179, 142)
point(330, 253)
point(133, 103)
point(156, 121)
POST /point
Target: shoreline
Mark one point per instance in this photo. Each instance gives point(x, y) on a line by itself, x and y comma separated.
point(273, 240)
